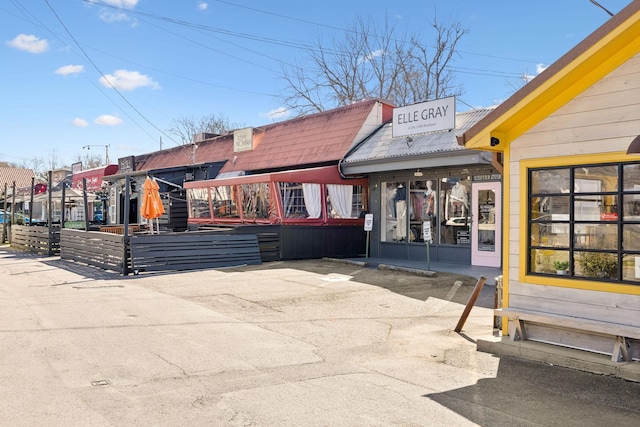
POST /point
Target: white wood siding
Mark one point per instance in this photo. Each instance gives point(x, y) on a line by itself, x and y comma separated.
point(605, 118)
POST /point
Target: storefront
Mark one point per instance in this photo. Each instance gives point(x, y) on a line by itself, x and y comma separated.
point(314, 197)
point(426, 185)
point(572, 195)
point(169, 179)
point(96, 187)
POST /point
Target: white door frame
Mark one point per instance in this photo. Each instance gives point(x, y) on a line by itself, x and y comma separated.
point(481, 253)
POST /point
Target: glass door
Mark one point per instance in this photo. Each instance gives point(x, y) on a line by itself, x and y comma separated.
point(486, 243)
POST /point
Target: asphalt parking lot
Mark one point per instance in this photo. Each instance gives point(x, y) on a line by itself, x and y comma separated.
point(312, 343)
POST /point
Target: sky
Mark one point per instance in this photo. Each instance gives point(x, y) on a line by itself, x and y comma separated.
point(169, 59)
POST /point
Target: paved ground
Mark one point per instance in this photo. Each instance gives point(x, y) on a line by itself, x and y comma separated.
point(283, 344)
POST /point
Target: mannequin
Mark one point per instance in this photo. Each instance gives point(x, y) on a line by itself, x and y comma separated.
point(459, 202)
point(430, 199)
point(391, 201)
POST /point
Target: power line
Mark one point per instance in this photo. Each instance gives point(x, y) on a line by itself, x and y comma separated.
point(39, 23)
point(104, 76)
point(601, 7)
point(263, 39)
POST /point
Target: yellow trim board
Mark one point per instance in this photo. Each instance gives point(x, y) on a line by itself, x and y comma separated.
point(587, 68)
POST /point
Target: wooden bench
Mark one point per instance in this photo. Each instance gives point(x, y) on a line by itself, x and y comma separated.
point(622, 333)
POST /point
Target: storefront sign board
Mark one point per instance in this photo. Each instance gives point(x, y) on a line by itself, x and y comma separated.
point(430, 116)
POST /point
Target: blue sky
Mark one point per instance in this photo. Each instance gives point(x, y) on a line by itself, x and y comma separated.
point(191, 58)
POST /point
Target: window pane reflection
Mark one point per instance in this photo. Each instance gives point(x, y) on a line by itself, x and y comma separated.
point(550, 181)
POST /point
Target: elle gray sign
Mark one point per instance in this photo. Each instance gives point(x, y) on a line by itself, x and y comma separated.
point(430, 116)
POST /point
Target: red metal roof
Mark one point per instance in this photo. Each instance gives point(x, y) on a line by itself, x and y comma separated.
point(314, 139)
point(21, 176)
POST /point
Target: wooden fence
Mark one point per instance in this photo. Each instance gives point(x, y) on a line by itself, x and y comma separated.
point(105, 250)
point(192, 250)
point(34, 238)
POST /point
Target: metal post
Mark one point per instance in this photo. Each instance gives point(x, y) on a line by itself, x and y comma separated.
point(428, 257)
point(64, 206)
point(33, 188)
point(13, 211)
point(50, 213)
point(127, 207)
point(85, 204)
point(13, 203)
point(472, 300)
point(4, 217)
point(366, 259)
point(426, 236)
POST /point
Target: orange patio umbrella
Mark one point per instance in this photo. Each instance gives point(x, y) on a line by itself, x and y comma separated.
point(151, 202)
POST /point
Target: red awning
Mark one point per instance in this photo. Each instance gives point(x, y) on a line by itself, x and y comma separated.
point(94, 178)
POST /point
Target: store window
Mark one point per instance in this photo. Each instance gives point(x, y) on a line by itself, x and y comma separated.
point(584, 221)
point(394, 212)
point(256, 202)
point(198, 200)
point(455, 226)
point(225, 201)
point(423, 200)
point(345, 201)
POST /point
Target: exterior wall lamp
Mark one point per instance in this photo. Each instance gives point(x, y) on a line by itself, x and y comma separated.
point(634, 147)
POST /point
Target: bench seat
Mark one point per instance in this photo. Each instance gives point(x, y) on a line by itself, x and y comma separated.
point(621, 332)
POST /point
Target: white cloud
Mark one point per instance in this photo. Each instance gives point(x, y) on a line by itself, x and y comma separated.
point(108, 120)
point(278, 113)
point(111, 17)
point(540, 68)
point(526, 77)
point(29, 43)
point(81, 123)
point(128, 80)
point(125, 4)
point(372, 55)
point(69, 69)
point(202, 6)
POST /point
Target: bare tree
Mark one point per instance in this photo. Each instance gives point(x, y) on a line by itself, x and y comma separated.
point(186, 127)
point(36, 164)
point(89, 160)
point(53, 160)
point(373, 61)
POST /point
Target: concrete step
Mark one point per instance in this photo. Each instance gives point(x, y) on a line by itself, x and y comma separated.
point(561, 356)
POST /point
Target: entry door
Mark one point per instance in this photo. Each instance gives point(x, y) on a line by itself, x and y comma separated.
point(486, 243)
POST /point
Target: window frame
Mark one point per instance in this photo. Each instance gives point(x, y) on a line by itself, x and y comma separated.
point(609, 215)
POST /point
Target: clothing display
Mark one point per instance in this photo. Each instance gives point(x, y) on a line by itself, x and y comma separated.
point(401, 213)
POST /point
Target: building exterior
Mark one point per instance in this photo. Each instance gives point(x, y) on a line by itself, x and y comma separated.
point(427, 185)
point(299, 145)
point(284, 178)
point(572, 210)
point(20, 177)
point(171, 168)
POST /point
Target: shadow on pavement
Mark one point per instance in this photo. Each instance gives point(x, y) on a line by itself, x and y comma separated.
point(526, 393)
